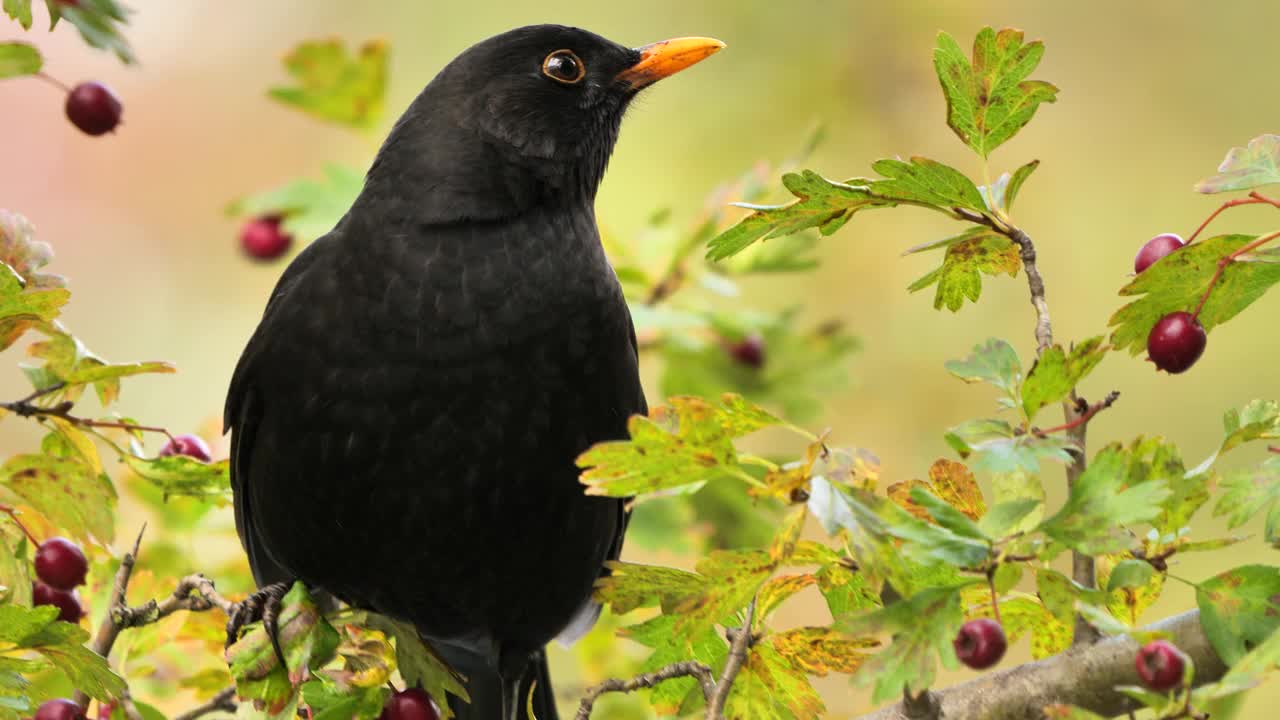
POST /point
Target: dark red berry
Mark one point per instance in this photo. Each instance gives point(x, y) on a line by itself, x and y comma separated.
point(59, 709)
point(1156, 248)
point(190, 445)
point(61, 564)
point(1160, 665)
point(748, 351)
point(262, 238)
point(1176, 342)
point(410, 704)
point(93, 108)
point(68, 603)
point(980, 643)
point(105, 710)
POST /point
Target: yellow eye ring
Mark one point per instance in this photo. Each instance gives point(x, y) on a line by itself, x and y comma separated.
point(564, 66)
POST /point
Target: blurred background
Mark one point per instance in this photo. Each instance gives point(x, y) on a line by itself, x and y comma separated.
point(1152, 96)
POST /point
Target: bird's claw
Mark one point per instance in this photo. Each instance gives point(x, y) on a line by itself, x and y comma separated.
point(263, 605)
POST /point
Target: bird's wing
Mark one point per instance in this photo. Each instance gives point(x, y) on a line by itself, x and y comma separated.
point(242, 415)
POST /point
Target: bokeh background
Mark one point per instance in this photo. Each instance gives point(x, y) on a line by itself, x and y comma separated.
point(1152, 96)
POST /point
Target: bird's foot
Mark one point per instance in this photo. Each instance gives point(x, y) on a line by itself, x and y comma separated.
point(263, 605)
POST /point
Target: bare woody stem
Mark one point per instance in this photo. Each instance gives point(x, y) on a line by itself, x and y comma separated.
point(1082, 417)
point(26, 407)
point(688, 668)
point(737, 656)
point(224, 701)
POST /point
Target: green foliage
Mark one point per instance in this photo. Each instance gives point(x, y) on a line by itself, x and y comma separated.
point(66, 490)
point(1240, 609)
point(99, 22)
point(19, 10)
point(19, 58)
point(419, 664)
point(55, 644)
point(337, 86)
point(1178, 282)
point(1102, 503)
point(989, 99)
point(1057, 372)
point(1247, 167)
point(181, 476)
point(969, 255)
point(310, 208)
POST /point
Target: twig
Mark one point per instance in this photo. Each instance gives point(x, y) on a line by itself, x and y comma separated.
point(687, 668)
point(1083, 417)
point(224, 701)
point(108, 631)
point(1083, 676)
point(131, 711)
point(1224, 262)
point(1274, 448)
point(1254, 198)
point(737, 656)
point(26, 407)
point(12, 512)
point(1027, 251)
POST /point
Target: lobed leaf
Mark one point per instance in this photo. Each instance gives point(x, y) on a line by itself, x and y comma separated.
point(769, 686)
point(1002, 449)
point(1240, 609)
point(19, 58)
point(1248, 491)
point(67, 491)
point(994, 362)
point(822, 650)
point(334, 85)
point(1102, 503)
point(19, 10)
point(309, 208)
point(420, 665)
point(1056, 372)
point(989, 99)
point(182, 476)
point(975, 253)
point(100, 23)
point(1246, 168)
point(1178, 281)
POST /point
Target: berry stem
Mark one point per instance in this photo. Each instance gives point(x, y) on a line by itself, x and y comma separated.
point(995, 597)
point(12, 512)
point(53, 81)
point(1274, 448)
point(1085, 417)
point(1224, 262)
point(1254, 198)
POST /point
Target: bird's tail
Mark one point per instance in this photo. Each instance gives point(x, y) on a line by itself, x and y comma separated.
point(485, 688)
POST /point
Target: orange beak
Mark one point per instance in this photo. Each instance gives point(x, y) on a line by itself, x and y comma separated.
point(668, 57)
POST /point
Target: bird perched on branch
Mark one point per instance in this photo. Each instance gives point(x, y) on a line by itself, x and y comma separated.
point(406, 416)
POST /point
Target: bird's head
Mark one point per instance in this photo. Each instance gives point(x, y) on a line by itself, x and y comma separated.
point(525, 118)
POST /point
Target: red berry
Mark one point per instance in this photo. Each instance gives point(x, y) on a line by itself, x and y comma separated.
point(1156, 248)
point(410, 704)
point(68, 603)
point(262, 238)
point(1176, 342)
point(1160, 665)
point(61, 564)
point(980, 643)
point(190, 445)
point(105, 710)
point(59, 709)
point(93, 108)
point(748, 351)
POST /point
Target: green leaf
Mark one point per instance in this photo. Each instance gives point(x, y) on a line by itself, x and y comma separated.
point(79, 501)
point(1259, 419)
point(310, 208)
point(420, 664)
point(1004, 518)
point(1155, 459)
point(990, 99)
point(658, 633)
point(15, 569)
point(922, 541)
point(1102, 503)
point(680, 446)
point(99, 23)
point(1056, 372)
point(845, 590)
point(927, 182)
point(19, 58)
point(821, 204)
point(19, 10)
point(946, 515)
point(1240, 609)
point(922, 627)
point(68, 361)
point(1178, 281)
point(1130, 574)
point(1001, 449)
point(1015, 182)
point(334, 85)
point(62, 645)
point(994, 362)
point(182, 476)
point(1247, 167)
point(22, 308)
point(771, 687)
point(976, 252)
point(1248, 491)
point(821, 650)
point(1021, 615)
point(327, 702)
point(1011, 489)
point(21, 625)
point(308, 642)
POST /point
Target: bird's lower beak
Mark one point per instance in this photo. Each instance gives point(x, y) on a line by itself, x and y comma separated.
point(667, 58)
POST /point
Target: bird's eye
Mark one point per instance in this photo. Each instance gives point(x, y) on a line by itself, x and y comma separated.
point(563, 66)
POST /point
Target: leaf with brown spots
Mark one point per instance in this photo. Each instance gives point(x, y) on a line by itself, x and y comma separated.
point(334, 85)
point(680, 446)
point(776, 591)
point(900, 493)
point(66, 490)
point(772, 687)
point(954, 483)
point(970, 255)
point(989, 99)
point(821, 650)
point(1240, 609)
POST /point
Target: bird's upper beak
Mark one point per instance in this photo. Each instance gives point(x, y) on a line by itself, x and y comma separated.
point(668, 57)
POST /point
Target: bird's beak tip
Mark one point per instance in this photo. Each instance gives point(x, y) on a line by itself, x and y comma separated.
point(668, 57)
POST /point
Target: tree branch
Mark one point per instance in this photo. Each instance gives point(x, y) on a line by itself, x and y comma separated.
point(1084, 675)
point(737, 656)
point(688, 668)
point(26, 407)
point(1027, 251)
point(224, 701)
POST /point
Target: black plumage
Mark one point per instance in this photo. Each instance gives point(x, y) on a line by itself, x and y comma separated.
point(406, 416)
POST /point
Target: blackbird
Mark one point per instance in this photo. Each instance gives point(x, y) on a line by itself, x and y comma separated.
point(407, 414)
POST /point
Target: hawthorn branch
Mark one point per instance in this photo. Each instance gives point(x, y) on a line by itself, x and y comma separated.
point(737, 656)
point(224, 701)
point(27, 407)
point(1084, 675)
point(688, 668)
point(1082, 417)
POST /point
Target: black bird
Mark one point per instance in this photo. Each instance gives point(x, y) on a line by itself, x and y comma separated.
point(407, 414)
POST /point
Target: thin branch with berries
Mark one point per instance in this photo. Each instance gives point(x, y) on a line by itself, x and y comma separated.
point(27, 407)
